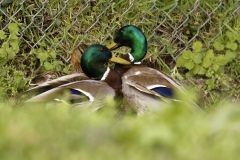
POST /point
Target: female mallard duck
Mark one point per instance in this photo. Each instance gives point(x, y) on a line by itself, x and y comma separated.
point(93, 63)
point(51, 75)
point(143, 88)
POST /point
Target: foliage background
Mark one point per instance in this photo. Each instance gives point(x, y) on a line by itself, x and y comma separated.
point(39, 36)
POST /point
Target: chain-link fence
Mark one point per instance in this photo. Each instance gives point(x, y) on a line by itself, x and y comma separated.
point(170, 26)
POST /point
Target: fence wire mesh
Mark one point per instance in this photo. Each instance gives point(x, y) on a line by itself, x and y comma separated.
point(64, 24)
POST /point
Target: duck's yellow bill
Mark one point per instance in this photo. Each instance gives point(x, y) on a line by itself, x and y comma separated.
point(119, 60)
point(112, 45)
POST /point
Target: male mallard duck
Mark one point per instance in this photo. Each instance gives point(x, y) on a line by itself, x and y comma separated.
point(143, 88)
point(93, 63)
point(51, 75)
point(132, 37)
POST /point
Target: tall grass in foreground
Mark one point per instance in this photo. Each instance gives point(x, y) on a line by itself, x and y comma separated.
point(35, 132)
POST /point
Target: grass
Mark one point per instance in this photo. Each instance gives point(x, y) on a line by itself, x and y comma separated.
point(38, 132)
point(175, 133)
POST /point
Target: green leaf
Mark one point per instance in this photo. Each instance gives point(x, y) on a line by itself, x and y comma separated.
point(48, 66)
point(165, 41)
point(197, 58)
point(221, 60)
point(208, 59)
point(3, 52)
point(55, 40)
point(189, 65)
point(232, 45)
point(196, 69)
point(180, 61)
point(230, 55)
point(230, 36)
point(218, 45)
point(206, 62)
point(197, 46)
point(11, 53)
point(215, 67)
point(171, 49)
point(13, 28)
point(52, 54)
point(210, 83)
point(202, 71)
point(65, 70)
point(15, 46)
point(43, 56)
point(188, 74)
point(187, 54)
point(2, 35)
point(238, 38)
point(220, 71)
point(3, 60)
point(3, 56)
point(58, 65)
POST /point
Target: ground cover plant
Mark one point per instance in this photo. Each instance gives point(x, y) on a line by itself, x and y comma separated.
point(197, 42)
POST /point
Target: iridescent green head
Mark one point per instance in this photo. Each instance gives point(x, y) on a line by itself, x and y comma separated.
point(95, 58)
point(130, 36)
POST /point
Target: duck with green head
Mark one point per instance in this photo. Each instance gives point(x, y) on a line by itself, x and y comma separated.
point(106, 81)
point(143, 88)
point(132, 37)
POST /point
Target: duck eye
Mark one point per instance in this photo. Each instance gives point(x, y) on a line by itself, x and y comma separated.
point(102, 49)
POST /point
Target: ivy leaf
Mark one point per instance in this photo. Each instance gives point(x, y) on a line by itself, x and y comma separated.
point(13, 28)
point(232, 45)
point(48, 66)
point(197, 46)
point(197, 58)
point(180, 61)
point(2, 35)
point(207, 60)
point(221, 60)
point(189, 65)
point(218, 45)
point(230, 55)
point(187, 54)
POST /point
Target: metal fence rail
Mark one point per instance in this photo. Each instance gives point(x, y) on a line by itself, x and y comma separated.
point(62, 24)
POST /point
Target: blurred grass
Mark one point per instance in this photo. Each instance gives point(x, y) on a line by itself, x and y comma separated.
point(34, 132)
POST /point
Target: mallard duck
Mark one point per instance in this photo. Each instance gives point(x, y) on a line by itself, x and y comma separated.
point(143, 88)
point(51, 75)
point(86, 93)
point(132, 37)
